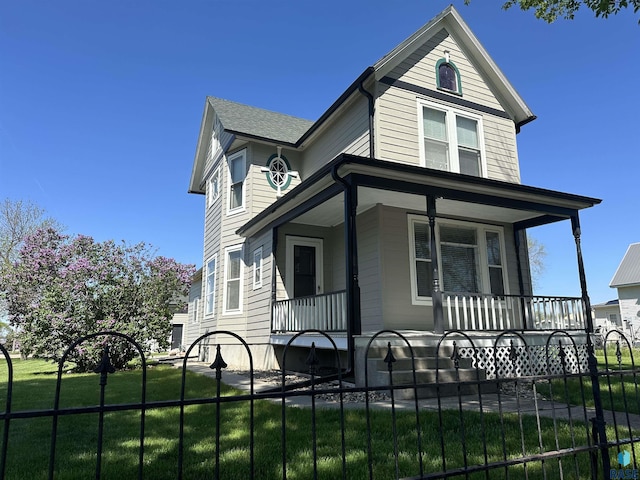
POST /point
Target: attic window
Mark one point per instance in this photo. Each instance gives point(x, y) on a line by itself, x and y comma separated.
point(448, 76)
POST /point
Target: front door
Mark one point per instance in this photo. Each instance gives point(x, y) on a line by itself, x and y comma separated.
point(176, 336)
point(304, 267)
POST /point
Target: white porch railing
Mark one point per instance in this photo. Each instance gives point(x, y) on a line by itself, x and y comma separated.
point(467, 311)
point(326, 312)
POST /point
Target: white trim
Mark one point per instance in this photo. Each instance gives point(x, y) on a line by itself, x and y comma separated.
point(210, 312)
point(227, 251)
point(291, 241)
point(241, 154)
point(415, 299)
point(257, 268)
point(452, 134)
point(481, 244)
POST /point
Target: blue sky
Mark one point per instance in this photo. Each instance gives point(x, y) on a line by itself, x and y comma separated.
point(101, 102)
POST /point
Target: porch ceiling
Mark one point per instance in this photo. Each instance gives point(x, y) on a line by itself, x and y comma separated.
point(318, 199)
point(331, 212)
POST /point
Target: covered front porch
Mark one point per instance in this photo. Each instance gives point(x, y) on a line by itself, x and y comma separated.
point(365, 245)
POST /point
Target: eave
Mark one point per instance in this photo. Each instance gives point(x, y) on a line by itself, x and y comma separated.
point(538, 206)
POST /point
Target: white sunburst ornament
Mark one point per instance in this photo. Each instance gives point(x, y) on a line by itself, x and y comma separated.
point(279, 172)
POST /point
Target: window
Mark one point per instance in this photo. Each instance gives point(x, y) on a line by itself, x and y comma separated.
point(237, 175)
point(448, 76)
point(257, 268)
point(459, 252)
point(210, 287)
point(233, 280)
point(214, 186)
point(422, 270)
point(451, 140)
point(470, 257)
point(194, 307)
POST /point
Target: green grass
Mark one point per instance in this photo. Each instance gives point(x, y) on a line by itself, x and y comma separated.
point(619, 391)
point(29, 444)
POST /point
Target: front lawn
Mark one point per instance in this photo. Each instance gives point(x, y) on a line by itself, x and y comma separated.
point(29, 439)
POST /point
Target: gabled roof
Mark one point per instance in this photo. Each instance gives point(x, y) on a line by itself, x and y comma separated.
point(256, 123)
point(451, 20)
point(610, 303)
point(628, 272)
point(246, 120)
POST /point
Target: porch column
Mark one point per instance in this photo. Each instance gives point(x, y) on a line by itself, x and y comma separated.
point(575, 226)
point(518, 235)
point(354, 325)
point(436, 294)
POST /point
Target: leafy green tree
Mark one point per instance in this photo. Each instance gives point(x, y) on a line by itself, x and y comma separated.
point(551, 10)
point(61, 288)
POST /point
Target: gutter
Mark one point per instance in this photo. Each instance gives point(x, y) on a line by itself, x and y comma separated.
point(372, 152)
point(347, 93)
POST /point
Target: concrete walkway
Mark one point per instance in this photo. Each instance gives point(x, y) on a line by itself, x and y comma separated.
point(488, 403)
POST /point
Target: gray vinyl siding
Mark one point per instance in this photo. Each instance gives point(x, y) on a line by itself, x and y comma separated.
point(397, 308)
point(419, 69)
point(330, 243)
point(369, 268)
point(194, 319)
point(397, 124)
point(348, 132)
point(259, 300)
point(262, 193)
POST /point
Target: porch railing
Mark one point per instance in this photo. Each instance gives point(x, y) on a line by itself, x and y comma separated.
point(468, 311)
point(326, 312)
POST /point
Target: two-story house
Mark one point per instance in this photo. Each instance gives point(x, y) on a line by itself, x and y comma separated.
point(400, 208)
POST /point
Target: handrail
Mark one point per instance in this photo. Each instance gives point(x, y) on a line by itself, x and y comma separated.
point(326, 312)
point(476, 311)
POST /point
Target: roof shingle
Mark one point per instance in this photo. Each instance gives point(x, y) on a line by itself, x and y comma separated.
point(256, 122)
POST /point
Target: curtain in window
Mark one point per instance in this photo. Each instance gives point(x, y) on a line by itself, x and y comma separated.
point(436, 148)
point(459, 259)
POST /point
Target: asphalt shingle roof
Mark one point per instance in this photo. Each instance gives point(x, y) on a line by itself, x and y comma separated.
point(628, 272)
point(257, 122)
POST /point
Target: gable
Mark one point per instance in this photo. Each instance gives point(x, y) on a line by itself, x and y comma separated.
point(419, 70)
point(470, 49)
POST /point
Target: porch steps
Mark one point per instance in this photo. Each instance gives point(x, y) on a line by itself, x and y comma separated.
point(435, 372)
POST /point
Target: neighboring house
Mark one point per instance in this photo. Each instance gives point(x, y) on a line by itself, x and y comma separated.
point(627, 281)
point(606, 316)
point(400, 208)
point(193, 326)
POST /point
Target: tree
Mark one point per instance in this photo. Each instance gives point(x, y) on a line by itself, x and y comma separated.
point(551, 10)
point(62, 287)
point(537, 254)
point(17, 220)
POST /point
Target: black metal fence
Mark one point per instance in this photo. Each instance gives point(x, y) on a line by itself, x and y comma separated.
point(508, 408)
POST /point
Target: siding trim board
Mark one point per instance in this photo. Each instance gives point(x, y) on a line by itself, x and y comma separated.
point(443, 97)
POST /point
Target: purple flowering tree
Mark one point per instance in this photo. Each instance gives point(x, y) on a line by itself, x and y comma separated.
point(62, 287)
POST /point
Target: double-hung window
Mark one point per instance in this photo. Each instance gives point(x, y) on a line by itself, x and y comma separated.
point(470, 256)
point(210, 287)
point(214, 186)
point(237, 175)
point(233, 279)
point(451, 140)
point(257, 268)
